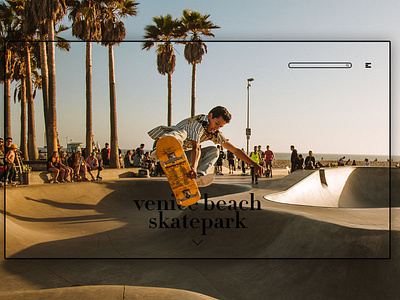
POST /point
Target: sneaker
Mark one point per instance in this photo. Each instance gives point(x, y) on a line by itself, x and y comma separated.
point(204, 180)
point(99, 178)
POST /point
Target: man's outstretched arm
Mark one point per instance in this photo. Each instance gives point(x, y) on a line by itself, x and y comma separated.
point(194, 160)
point(243, 156)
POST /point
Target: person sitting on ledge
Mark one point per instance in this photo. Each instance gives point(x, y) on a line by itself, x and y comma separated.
point(54, 166)
point(92, 163)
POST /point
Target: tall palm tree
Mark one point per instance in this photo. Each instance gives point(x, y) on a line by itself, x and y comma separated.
point(113, 32)
point(20, 93)
point(40, 54)
point(196, 25)
point(48, 12)
point(9, 27)
point(162, 33)
point(85, 16)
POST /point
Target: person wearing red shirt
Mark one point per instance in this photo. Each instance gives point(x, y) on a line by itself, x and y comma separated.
point(268, 157)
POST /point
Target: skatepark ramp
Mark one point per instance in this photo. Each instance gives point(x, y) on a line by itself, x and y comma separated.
point(347, 187)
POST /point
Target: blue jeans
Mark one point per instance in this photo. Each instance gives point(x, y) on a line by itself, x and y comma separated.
point(208, 155)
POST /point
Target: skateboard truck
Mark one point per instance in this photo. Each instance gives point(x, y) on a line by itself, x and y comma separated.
point(187, 195)
point(172, 158)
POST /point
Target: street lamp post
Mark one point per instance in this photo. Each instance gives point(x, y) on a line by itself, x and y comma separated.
point(248, 130)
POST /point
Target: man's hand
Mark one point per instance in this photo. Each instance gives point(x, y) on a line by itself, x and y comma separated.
point(192, 174)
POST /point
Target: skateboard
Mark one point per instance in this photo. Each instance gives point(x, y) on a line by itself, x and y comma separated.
point(175, 165)
point(14, 184)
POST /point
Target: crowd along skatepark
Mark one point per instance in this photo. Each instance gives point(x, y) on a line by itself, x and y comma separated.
point(329, 233)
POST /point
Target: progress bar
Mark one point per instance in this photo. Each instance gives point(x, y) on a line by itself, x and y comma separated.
point(320, 65)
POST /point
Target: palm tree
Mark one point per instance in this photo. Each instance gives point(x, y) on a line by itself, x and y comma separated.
point(196, 25)
point(40, 54)
point(162, 34)
point(87, 27)
point(21, 94)
point(48, 12)
point(9, 26)
point(113, 32)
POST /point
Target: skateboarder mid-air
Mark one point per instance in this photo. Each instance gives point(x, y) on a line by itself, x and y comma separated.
point(191, 132)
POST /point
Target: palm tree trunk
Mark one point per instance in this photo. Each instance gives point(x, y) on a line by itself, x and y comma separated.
point(7, 108)
point(169, 109)
point(32, 148)
point(45, 87)
point(114, 157)
point(193, 111)
point(89, 129)
point(24, 145)
point(52, 125)
point(7, 94)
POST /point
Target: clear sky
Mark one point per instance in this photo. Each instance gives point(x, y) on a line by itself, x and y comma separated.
point(327, 111)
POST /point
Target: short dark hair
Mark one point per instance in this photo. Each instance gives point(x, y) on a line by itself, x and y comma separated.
point(220, 111)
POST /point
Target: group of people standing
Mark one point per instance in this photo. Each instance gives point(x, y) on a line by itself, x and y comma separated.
point(263, 158)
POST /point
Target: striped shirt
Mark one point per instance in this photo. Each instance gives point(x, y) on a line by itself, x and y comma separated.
point(196, 128)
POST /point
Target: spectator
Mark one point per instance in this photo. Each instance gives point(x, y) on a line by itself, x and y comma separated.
point(93, 164)
point(1, 147)
point(9, 168)
point(243, 166)
point(146, 161)
point(261, 154)
point(140, 150)
point(220, 160)
point(300, 162)
point(354, 163)
point(255, 156)
point(64, 160)
point(310, 161)
point(7, 145)
point(128, 159)
point(105, 155)
point(231, 161)
point(54, 166)
point(367, 163)
point(341, 161)
point(268, 157)
point(293, 158)
point(41, 155)
point(79, 166)
point(137, 159)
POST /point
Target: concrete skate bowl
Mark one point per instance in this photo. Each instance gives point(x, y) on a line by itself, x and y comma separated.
point(102, 220)
point(347, 187)
point(96, 220)
point(99, 220)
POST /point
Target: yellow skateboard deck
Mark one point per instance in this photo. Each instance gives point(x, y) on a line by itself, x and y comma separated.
point(175, 165)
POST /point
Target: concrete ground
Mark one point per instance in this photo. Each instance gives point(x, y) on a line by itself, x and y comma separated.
point(111, 238)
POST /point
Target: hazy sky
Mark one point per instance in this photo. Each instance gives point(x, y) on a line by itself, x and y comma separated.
point(328, 111)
